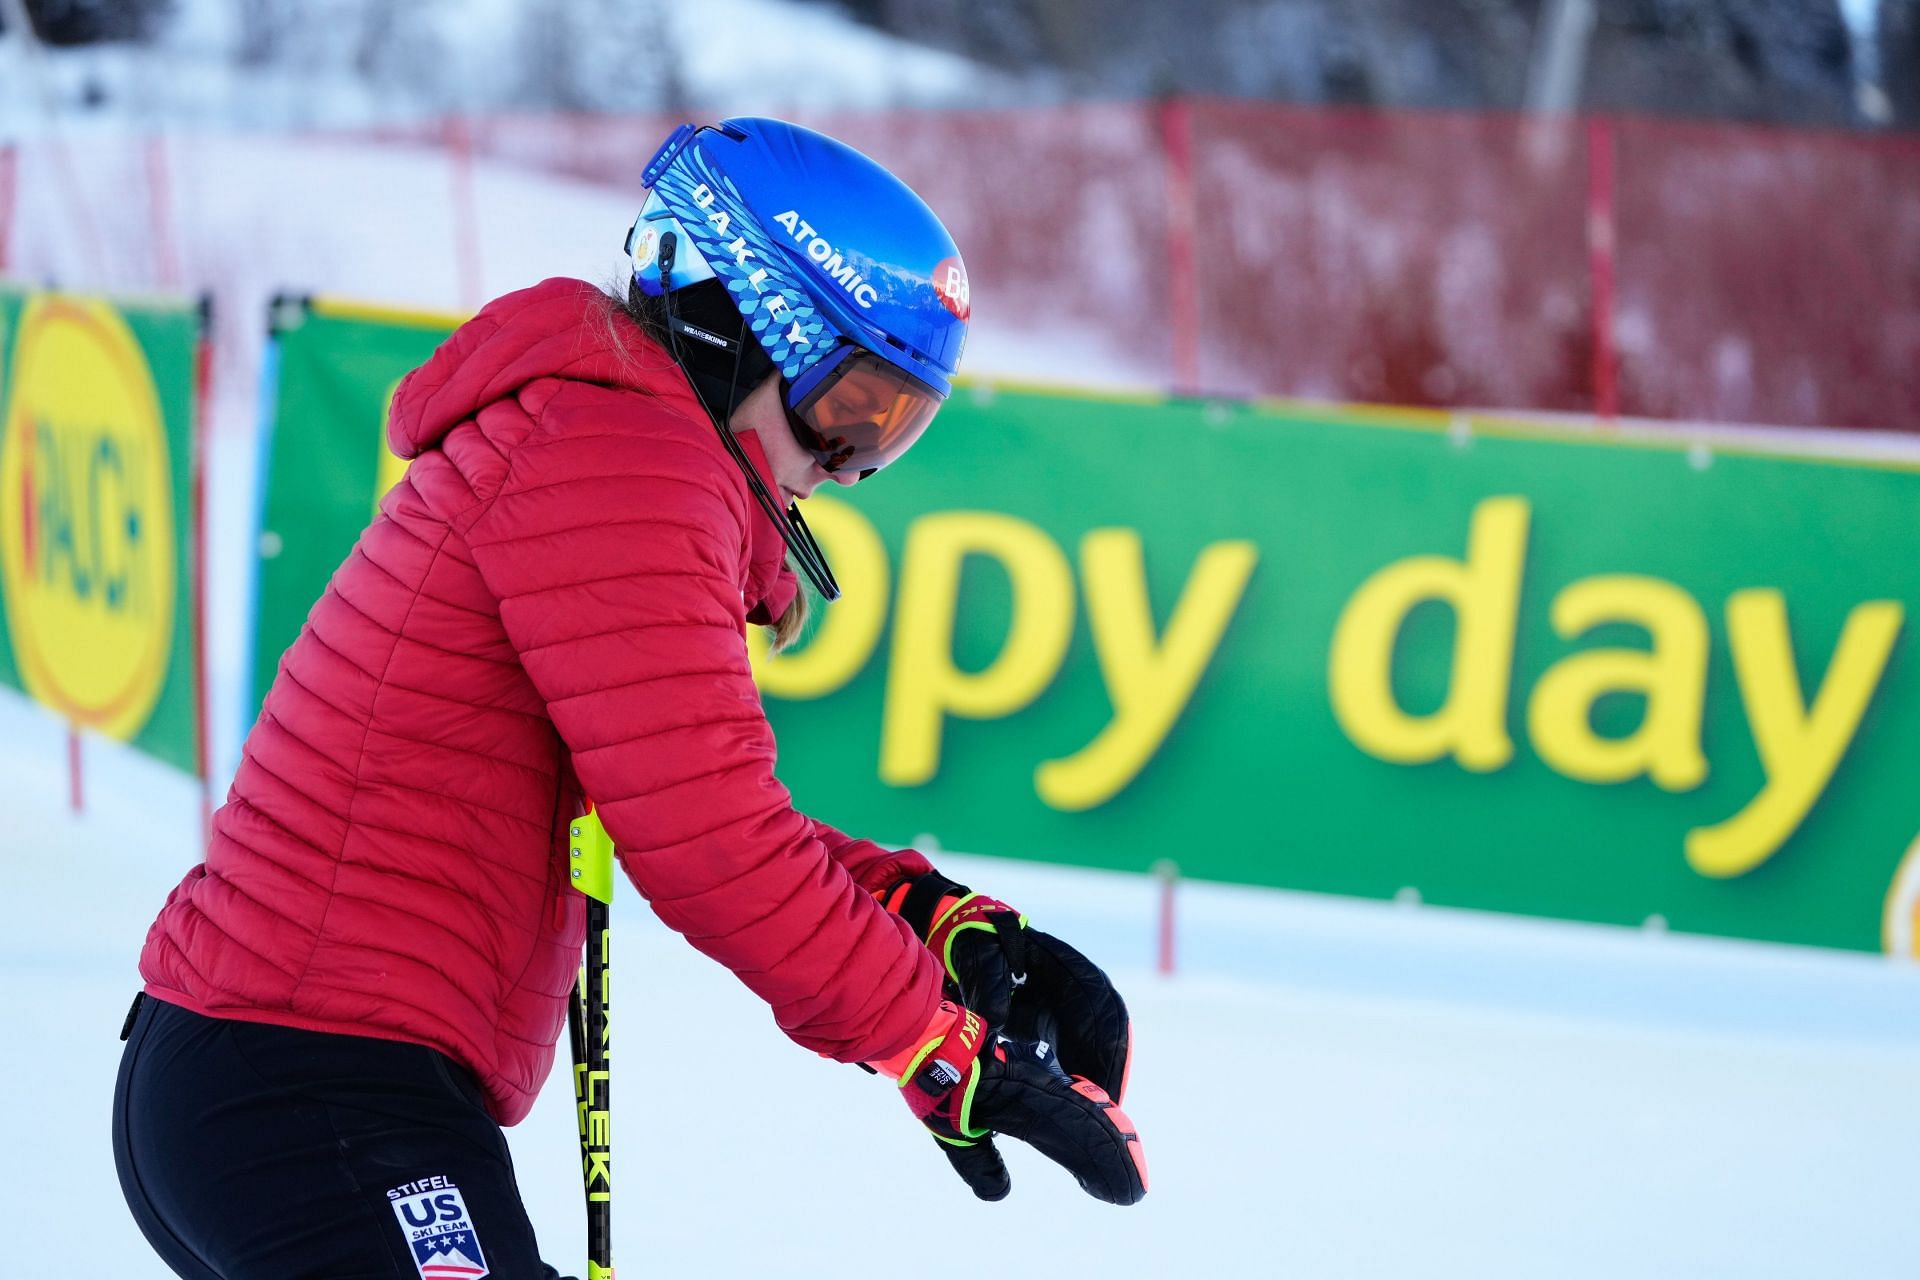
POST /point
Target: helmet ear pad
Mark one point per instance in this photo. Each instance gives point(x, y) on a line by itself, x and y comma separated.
point(720, 355)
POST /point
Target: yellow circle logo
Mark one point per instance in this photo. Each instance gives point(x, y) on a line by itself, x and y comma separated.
point(1900, 917)
point(86, 517)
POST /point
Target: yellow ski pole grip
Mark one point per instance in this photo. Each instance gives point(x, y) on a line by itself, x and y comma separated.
point(591, 856)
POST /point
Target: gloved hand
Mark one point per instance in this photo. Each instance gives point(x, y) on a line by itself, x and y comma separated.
point(992, 957)
point(967, 1083)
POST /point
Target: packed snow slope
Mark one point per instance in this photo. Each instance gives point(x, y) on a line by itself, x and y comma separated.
point(1327, 1088)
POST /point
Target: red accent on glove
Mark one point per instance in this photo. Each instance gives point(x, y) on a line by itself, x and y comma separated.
point(941, 1059)
point(977, 908)
point(1128, 1131)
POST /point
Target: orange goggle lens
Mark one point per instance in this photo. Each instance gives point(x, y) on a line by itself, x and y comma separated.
point(862, 414)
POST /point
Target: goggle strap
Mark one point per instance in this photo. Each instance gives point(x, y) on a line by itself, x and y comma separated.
point(707, 336)
point(669, 152)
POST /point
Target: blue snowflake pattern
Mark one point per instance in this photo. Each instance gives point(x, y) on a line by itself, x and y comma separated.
point(792, 330)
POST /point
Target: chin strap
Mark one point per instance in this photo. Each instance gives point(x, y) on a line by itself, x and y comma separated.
point(806, 552)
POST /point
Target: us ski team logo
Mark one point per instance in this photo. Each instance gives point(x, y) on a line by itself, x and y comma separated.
point(439, 1230)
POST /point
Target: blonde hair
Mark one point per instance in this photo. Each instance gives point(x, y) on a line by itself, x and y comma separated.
point(623, 300)
point(792, 621)
point(618, 301)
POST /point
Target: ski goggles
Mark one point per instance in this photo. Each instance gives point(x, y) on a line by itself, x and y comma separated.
point(855, 411)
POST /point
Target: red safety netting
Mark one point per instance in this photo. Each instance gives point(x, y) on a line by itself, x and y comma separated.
point(1401, 258)
point(1650, 268)
point(1639, 267)
point(1768, 276)
point(1061, 214)
point(8, 164)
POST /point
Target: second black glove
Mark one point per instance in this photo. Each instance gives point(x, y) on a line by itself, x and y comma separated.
point(991, 955)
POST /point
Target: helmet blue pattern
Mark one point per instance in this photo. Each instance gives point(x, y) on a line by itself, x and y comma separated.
point(816, 244)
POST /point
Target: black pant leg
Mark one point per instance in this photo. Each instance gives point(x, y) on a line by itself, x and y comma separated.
point(175, 1252)
point(267, 1152)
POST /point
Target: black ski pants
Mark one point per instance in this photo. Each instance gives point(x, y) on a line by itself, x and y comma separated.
point(256, 1152)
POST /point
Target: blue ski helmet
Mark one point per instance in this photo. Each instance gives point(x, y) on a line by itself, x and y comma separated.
point(847, 281)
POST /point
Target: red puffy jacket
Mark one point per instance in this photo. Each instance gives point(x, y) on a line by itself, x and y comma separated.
point(554, 598)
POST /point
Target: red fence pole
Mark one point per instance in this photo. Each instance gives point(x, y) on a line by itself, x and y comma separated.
point(1183, 295)
point(202, 414)
point(1168, 874)
point(166, 249)
point(466, 228)
point(1601, 242)
point(9, 166)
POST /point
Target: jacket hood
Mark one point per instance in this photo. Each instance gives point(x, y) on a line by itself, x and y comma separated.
point(557, 329)
point(563, 328)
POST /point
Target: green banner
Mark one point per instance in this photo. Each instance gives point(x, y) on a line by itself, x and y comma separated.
point(333, 367)
point(1354, 652)
point(97, 514)
point(1550, 674)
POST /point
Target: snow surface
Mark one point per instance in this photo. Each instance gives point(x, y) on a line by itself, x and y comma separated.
point(1327, 1088)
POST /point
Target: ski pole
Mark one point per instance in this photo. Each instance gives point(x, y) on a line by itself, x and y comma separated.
point(587, 1024)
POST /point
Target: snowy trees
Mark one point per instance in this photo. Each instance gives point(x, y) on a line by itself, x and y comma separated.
point(63, 23)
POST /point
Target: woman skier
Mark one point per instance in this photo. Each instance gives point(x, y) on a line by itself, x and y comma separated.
point(367, 976)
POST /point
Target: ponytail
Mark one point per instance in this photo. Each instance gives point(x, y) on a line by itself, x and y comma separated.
point(787, 628)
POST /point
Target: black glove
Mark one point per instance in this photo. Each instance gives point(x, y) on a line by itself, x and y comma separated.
point(1027, 984)
point(967, 1084)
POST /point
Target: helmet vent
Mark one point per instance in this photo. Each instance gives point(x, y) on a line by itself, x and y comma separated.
point(915, 352)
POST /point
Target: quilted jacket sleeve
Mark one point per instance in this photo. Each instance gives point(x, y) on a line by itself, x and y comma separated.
point(873, 867)
point(616, 563)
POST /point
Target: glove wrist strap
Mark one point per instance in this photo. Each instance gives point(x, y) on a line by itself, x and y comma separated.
point(937, 1072)
point(978, 911)
point(939, 909)
point(919, 900)
point(954, 1031)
